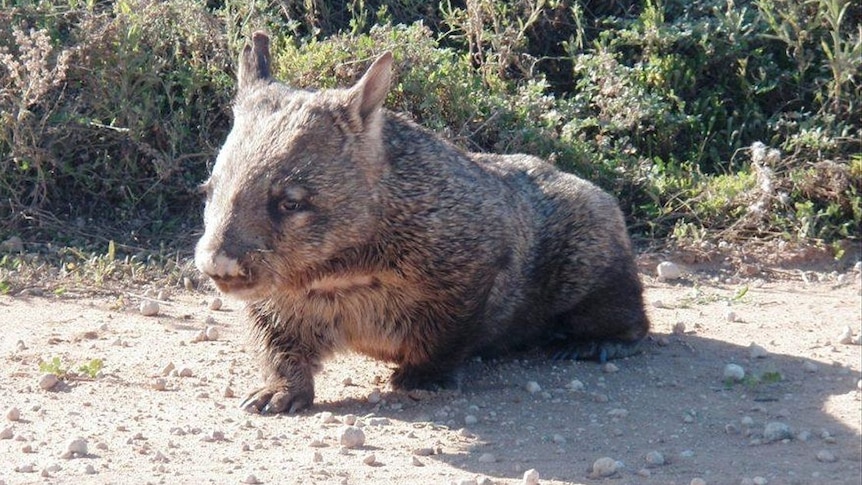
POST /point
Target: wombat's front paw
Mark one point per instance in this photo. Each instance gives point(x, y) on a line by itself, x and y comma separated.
point(277, 398)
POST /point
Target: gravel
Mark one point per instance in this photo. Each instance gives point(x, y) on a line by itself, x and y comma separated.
point(604, 467)
point(149, 308)
point(667, 270)
point(351, 437)
point(734, 372)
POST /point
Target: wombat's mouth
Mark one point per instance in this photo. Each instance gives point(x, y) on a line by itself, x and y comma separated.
point(241, 288)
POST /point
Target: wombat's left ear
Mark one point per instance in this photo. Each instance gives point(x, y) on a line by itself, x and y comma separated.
point(368, 95)
point(254, 61)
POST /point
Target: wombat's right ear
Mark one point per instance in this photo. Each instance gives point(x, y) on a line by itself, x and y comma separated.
point(254, 61)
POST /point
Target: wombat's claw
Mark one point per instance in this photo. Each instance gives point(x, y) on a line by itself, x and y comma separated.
point(266, 402)
point(598, 351)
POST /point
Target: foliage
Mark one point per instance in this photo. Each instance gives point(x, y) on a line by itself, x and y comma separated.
point(707, 118)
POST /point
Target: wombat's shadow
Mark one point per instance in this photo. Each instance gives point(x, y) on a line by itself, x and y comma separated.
point(672, 398)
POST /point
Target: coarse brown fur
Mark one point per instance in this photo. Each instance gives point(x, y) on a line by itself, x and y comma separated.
point(346, 226)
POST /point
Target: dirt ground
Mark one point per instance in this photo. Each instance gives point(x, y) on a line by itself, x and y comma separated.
point(667, 416)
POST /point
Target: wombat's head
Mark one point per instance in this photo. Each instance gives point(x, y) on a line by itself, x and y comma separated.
point(296, 181)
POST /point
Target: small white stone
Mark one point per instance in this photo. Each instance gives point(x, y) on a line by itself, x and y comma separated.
point(776, 431)
point(697, 481)
point(251, 480)
point(730, 316)
point(668, 271)
point(654, 458)
point(575, 385)
point(470, 420)
point(159, 384)
point(604, 467)
point(487, 458)
point(77, 447)
point(212, 333)
point(610, 368)
point(826, 456)
point(846, 336)
point(734, 372)
point(351, 437)
point(149, 308)
point(215, 304)
point(759, 481)
point(757, 352)
point(13, 414)
point(48, 381)
point(533, 387)
point(531, 477)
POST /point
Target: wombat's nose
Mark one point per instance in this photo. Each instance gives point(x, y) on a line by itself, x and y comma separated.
point(218, 265)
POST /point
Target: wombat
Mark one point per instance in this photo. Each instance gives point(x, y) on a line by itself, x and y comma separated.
point(345, 226)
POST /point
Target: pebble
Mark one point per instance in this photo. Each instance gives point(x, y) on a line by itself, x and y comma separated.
point(809, 366)
point(149, 308)
point(374, 396)
point(846, 336)
point(654, 458)
point(159, 384)
point(351, 437)
point(757, 352)
point(734, 372)
point(228, 391)
point(826, 456)
point(89, 470)
point(211, 333)
point(13, 414)
point(697, 481)
point(610, 368)
point(251, 480)
point(7, 433)
point(604, 467)
point(186, 372)
point(575, 385)
point(28, 468)
point(215, 304)
point(76, 447)
point(668, 271)
point(416, 461)
point(166, 371)
point(369, 459)
point(531, 477)
point(48, 381)
point(731, 316)
point(533, 387)
point(658, 304)
point(678, 328)
point(776, 431)
point(470, 420)
point(487, 458)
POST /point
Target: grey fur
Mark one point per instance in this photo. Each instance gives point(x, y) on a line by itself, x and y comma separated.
point(346, 226)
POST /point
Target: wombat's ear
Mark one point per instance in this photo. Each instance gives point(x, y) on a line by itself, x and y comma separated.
point(254, 61)
point(368, 95)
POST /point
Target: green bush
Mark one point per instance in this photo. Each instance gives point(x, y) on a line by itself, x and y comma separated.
point(706, 118)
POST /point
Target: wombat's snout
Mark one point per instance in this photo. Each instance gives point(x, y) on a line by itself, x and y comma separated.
point(226, 272)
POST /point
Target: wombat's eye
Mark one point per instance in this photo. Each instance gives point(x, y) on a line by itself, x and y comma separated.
point(287, 206)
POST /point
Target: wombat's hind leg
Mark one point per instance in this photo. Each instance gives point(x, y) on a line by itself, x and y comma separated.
point(428, 377)
point(277, 397)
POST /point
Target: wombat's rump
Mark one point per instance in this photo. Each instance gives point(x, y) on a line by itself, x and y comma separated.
point(345, 226)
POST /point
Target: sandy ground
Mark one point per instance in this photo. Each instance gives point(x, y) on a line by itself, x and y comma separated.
point(667, 416)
